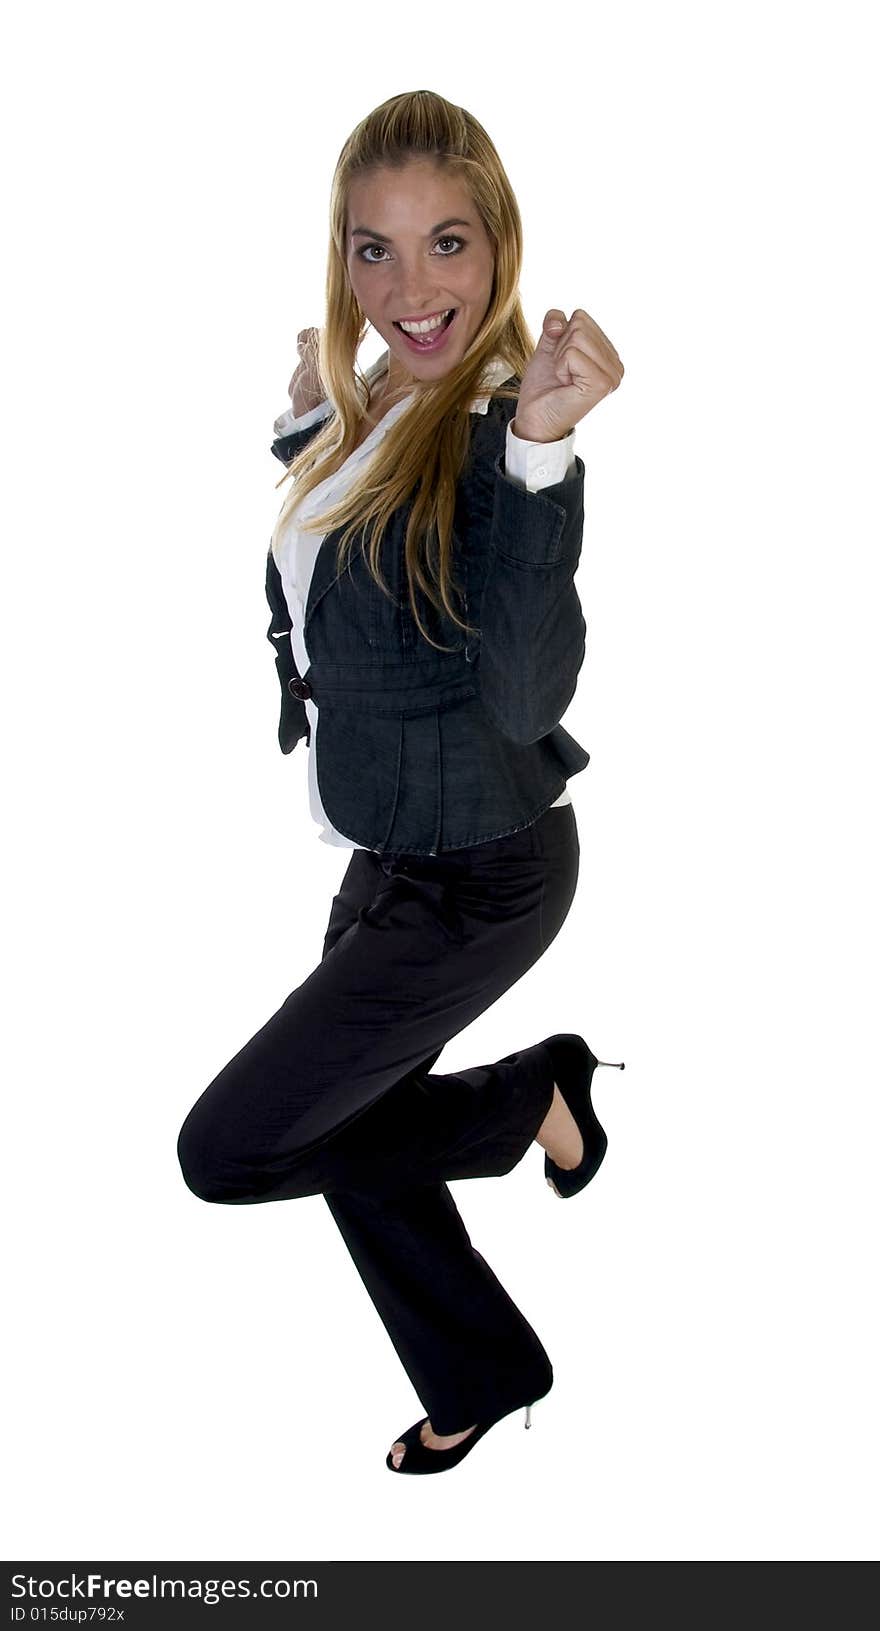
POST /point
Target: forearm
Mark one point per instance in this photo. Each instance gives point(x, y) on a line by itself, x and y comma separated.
point(521, 429)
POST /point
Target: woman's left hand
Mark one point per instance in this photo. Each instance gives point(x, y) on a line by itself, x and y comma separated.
point(573, 367)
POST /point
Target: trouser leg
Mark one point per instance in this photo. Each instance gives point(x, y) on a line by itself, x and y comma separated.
point(465, 1346)
point(334, 1096)
point(423, 953)
point(467, 1349)
point(426, 1127)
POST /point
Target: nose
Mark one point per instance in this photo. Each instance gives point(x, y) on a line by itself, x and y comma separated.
point(415, 297)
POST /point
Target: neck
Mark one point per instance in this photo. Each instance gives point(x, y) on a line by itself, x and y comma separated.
point(389, 389)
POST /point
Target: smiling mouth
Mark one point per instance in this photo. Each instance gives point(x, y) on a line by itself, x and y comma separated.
point(431, 334)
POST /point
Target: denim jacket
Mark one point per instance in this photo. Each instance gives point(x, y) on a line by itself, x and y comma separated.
point(421, 751)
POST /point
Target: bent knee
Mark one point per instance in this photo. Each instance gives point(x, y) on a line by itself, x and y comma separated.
point(201, 1162)
point(216, 1167)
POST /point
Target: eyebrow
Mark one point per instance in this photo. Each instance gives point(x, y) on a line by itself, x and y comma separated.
point(367, 232)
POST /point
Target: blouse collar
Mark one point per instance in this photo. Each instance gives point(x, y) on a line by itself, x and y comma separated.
point(497, 369)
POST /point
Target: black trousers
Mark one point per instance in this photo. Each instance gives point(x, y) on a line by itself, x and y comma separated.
point(335, 1095)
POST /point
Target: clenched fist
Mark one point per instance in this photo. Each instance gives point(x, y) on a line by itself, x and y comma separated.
point(573, 367)
point(306, 389)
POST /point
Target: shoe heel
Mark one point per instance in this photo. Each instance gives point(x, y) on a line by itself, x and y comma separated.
point(594, 1063)
point(569, 1052)
point(528, 1420)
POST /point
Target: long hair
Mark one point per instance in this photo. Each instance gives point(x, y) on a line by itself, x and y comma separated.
point(422, 454)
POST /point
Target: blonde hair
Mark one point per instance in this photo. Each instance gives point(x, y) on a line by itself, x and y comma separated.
point(423, 452)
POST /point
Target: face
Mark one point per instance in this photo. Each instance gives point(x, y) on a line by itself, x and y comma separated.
point(416, 248)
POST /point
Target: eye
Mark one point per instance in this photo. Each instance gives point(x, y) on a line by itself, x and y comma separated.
point(362, 253)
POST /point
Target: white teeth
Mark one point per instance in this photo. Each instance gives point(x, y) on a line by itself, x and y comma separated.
point(426, 327)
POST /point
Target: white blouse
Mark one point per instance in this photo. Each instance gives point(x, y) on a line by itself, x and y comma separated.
point(533, 464)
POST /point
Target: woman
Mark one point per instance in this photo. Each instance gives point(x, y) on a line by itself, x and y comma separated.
point(428, 680)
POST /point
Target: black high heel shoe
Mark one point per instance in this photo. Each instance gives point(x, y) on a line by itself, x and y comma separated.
point(419, 1459)
point(573, 1066)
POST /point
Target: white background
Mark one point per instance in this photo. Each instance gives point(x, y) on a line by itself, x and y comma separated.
point(195, 1381)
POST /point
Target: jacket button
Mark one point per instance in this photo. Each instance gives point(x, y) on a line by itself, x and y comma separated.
point(298, 687)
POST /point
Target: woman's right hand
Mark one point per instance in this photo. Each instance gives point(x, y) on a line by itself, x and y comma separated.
point(305, 389)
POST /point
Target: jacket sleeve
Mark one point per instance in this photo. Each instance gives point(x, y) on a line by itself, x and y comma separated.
point(293, 724)
point(292, 434)
point(532, 630)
